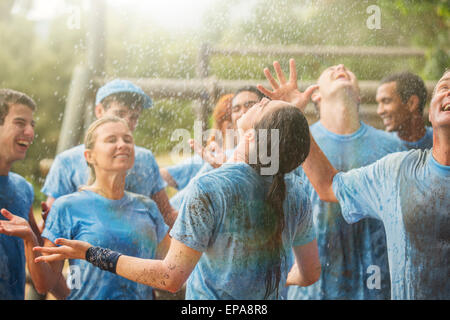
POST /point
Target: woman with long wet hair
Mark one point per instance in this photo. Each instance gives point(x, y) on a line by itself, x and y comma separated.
point(237, 224)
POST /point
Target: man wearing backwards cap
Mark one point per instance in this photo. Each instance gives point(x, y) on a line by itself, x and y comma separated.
point(69, 170)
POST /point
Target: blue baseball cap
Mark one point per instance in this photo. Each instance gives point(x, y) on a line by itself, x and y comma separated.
point(118, 85)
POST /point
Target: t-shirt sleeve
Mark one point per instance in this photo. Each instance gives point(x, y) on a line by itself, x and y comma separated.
point(196, 220)
point(305, 231)
point(367, 191)
point(57, 183)
point(58, 223)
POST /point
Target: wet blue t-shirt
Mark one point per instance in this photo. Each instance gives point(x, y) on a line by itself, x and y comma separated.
point(350, 255)
point(132, 226)
point(409, 192)
point(426, 142)
point(69, 171)
point(177, 199)
point(16, 195)
point(222, 216)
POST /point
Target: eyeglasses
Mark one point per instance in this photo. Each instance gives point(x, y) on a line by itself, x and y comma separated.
point(247, 105)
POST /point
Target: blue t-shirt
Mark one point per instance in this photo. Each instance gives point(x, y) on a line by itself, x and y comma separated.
point(426, 142)
point(221, 216)
point(183, 172)
point(16, 195)
point(410, 193)
point(69, 171)
point(178, 198)
point(348, 253)
point(132, 226)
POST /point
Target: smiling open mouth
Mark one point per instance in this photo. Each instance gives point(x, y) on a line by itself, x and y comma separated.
point(341, 76)
point(23, 143)
point(446, 107)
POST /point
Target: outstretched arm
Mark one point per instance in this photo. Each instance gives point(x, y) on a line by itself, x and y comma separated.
point(44, 277)
point(320, 172)
point(169, 274)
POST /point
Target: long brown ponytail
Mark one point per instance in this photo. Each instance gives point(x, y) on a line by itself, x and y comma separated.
point(293, 148)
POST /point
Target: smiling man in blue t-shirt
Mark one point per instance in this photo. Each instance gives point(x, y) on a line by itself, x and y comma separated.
point(401, 99)
point(16, 194)
point(409, 192)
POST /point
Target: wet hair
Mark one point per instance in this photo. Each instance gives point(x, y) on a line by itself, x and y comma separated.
point(8, 97)
point(90, 139)
point(252, 89)
point(131, 100)
point(293, 147)
point(221, 115)
point(407, 85)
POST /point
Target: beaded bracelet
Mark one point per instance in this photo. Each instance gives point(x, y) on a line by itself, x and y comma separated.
point(103, 258)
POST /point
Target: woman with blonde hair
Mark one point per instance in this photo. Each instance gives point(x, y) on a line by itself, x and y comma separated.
point(102, 212)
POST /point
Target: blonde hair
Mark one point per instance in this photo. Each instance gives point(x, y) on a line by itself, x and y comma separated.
point(90, 139)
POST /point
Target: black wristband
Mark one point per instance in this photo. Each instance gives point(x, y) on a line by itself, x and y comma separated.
point(102, 258)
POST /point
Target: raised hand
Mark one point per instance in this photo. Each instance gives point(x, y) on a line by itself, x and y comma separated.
point(15, 226)
point(213, 154)
point(286, 90)
point(69, 249)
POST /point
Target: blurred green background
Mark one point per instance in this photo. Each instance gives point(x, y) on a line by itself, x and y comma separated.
point(38, 55)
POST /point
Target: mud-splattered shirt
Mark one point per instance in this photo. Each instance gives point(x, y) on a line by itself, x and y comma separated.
point(348, 253)
point(69, 171)
point(16, 195)
point(183, 172)
point(426, 142)
point(132, 226)
point(222, 216)
point(177, 199)
point(410, 193)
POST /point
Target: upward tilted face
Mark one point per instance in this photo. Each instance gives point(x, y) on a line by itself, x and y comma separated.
point(439, 113)
point(241, 103)
point(255, 113)
point(337, 78)
point(113, 149)
point(17, 132)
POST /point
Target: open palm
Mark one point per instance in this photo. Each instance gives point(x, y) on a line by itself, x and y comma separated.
point(287, 90)
point(15, 225)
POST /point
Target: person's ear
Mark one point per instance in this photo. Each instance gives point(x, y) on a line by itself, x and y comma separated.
point(413, 103)
point(99, 111)
point(89, 156)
